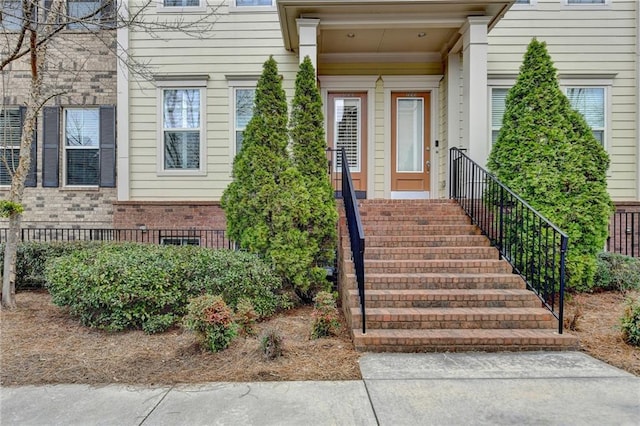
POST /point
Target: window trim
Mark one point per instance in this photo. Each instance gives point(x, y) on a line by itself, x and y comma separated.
point(533, 4)
point(190, 82)
point(233, 8)
point(236, 82)
point(565, 81)
point(201, 8)
point(63, 143)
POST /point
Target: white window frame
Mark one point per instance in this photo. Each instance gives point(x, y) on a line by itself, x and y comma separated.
point(566, 81)
point(234, 8)
point(235, 83)
point(533, 4)
point(67, 148)
point(606, 4)
point(170, 83)
point(201, 8)
point(490, 110)
point(12, 147)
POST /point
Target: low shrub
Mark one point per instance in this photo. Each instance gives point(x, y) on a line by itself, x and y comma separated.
point(212, 321)
point(631, 322)
point(122, 286)
point(325, 316)
point(32, 257)
point(617, 272)
point(271, 344)
point(246, 317)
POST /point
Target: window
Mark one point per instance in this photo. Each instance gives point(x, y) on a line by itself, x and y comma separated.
point(590, 102)
point(587, 4)
point(253, 3)
point(182, 128)
point(586, 1)
point(181, 3)
point(243, 101)
point(82, 143)
point(87, 14)
point(181, 241)
point(11, 133)
point(12, 15)
point(498, 98)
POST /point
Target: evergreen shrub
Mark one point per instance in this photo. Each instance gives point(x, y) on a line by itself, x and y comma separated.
point(546, 153)
point(212, 321)
point(631, 322)
point(617, 272)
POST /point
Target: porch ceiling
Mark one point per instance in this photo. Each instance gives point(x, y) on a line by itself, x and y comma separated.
point(383, 26)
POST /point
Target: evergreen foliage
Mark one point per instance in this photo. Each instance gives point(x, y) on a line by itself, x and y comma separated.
point(547, 154)
point(267, 204)
point(310, 157)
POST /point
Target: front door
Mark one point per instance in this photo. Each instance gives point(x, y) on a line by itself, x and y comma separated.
point(347, 117)
point(410, 148)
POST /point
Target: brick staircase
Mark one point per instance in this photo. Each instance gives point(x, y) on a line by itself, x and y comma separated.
point(433, 283)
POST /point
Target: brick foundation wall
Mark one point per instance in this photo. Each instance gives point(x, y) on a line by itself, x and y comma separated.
point(168, 215)
point(624, 229)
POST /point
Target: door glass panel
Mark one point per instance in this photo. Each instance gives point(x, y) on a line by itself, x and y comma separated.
point(347, 131)
point(410, 132)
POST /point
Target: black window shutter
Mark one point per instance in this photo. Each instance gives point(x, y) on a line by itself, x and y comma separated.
point(31, 180)
point(51, 147)
point(108, 146)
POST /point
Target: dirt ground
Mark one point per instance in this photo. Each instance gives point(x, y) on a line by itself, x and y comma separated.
point(41, 344)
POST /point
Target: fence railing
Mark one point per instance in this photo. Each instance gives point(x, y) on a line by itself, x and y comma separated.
point(356, 233)
point(624, 233)
point(535, 247)
point(211, 238)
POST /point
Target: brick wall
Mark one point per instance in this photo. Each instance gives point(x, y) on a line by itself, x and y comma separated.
point(81, 69)
point(168, 215)
point(624, 229)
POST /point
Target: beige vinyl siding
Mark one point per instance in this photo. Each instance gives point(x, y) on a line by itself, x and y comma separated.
point(443, 148)
point(381, 163)
point(380, 68)
point(583, 42)
point(238, 45)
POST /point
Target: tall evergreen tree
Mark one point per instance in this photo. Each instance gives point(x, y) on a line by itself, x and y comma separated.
point(310, 157)
point(547, 154)
point(267, 204)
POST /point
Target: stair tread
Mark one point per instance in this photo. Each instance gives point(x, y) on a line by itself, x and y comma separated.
point(470, 333)
point(452, 292)
point(457, 311)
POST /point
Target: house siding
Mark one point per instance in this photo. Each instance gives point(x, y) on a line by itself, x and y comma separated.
point(582, 42)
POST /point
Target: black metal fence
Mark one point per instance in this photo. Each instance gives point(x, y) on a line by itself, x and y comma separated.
point(356, 233)
point(624, 233)
point(211, 238)
point(535, 247)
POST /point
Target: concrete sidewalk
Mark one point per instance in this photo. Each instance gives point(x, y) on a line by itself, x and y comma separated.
point(542, 388)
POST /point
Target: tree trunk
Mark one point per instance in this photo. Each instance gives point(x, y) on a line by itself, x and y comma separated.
point(9, 269)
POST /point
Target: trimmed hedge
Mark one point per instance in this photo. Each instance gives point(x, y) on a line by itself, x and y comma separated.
point(130, 286)
point(617, 272)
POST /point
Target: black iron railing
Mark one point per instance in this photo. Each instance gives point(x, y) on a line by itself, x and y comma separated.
point(535, 247)
point(624, 233)
point(211, 238)
point(356, 233)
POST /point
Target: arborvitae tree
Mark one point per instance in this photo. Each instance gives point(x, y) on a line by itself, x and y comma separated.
point(267, 204)
point(547, 154)
point(310, 157)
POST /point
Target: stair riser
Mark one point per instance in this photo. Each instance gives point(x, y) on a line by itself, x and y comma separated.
point(412, 241)
point(473, 303)
point(408, 220)
point(450, 254)
point(507, 282)
point(376, 322)
point(417, 230)
point(426, 269)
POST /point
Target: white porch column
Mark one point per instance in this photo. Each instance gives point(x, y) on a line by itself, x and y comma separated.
point(474, 62)
point(308, 40)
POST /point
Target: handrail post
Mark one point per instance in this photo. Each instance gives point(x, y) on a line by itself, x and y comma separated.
point(563, 257)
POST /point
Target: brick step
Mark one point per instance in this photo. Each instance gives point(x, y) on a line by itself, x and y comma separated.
point(399, 203)
point(426, 241)
point(435, 281)
point(448, 340)
point(453, 318)
point(452, 298)
point(396, 230)
point(430, 253)
point(426, 266)
point(415, 220)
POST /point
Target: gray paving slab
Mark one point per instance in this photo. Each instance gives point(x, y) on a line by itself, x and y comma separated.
point(479, 365)
point(77, 405)
point(266, 403)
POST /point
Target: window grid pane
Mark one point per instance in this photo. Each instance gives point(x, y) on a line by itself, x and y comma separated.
point(243, 113)
point(409, 135)
point(586, 1)
point(82, 8)
point(11, 15)
point(245, 3)
point(82, 139)
point(498, 101)
point(10, 134)
point(347, 132)
point(82, 127)
point(10, 158)
point(589, 101)
point(181, 3)
point(82, 167)
point(181, 123)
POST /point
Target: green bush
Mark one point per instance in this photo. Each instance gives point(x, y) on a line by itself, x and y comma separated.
point(325, 316)
point(32, 257)
point(631, 322)
point(617, 272)
point(246, 317)
point(131, 286)
point(271, 344)
point(212, 321)
point(547, 154)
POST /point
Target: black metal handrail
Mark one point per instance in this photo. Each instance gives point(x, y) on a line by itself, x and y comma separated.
point(624, 233)
point(212, 238)
point(356, 233)
point(534, 246)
